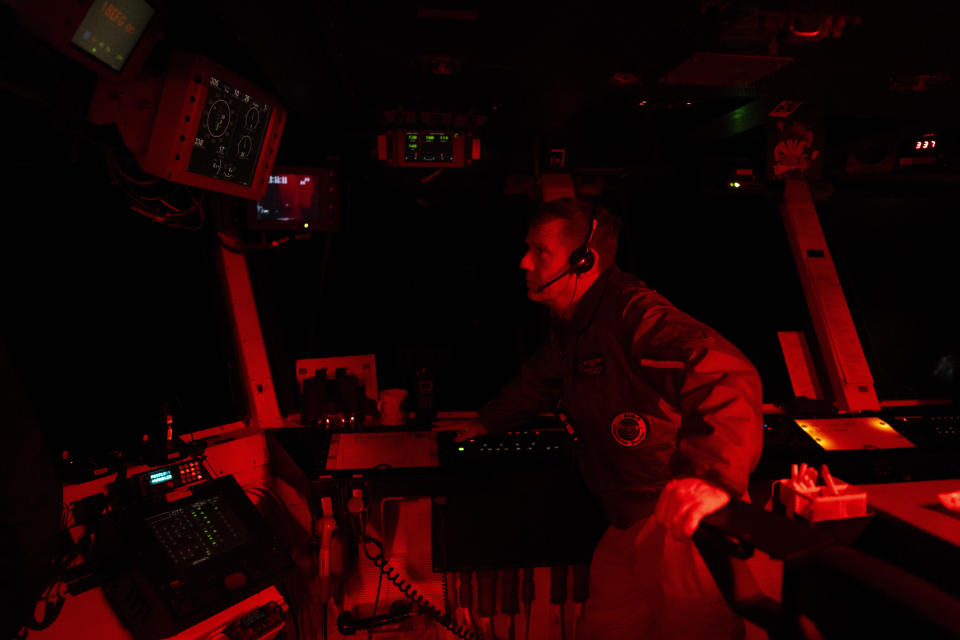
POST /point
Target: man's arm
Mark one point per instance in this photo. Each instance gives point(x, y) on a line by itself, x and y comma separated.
point(722, 431)
point(721, 434)
point(535, 388)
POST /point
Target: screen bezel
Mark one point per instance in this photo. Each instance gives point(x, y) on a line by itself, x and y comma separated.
point(178, 118)
point(255, 224)
point(258, 152)
point(58, 24)
point(459, 146)
point(144, 30)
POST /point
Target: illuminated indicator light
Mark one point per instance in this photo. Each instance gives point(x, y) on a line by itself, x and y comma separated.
point(94, 50)
point(161, 476)
point(306, 225)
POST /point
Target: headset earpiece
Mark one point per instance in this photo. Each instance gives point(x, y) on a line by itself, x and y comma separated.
point(582, 259)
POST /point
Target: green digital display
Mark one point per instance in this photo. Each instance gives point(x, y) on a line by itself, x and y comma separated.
point(430, 146)
point(158, 477)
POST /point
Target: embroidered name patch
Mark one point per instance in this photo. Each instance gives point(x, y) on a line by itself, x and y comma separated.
point(591, 366)
point(628, 429)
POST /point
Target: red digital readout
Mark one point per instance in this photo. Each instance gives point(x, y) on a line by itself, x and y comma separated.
point(116, 16)
point(927, 141)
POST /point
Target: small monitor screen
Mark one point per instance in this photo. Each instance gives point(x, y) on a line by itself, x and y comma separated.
point(297, 199)
point(198, 531)
point(159, 477)
point(111, 29)
point(230, 134)
point(291, 198)
point(428, 146)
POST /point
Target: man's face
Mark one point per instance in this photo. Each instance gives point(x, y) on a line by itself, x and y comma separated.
point(548, 255)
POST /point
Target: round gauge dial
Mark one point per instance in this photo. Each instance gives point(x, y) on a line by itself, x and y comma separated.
point(252, 118)
point(245, 147)
point(218, 118)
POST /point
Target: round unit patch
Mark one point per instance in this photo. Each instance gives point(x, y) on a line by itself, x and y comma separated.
point(628, 429)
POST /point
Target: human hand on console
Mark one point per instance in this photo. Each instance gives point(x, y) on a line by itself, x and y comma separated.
point(687, 501)
point(465, 429)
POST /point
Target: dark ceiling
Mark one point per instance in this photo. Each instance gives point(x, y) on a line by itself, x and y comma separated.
point(338, 65)
point(596, 74)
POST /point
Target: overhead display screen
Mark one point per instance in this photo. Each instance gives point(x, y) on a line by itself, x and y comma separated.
point(111, 29)
point(230, 134)
point(428, 146)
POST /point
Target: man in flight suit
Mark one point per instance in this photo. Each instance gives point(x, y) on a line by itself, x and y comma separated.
point(669, 414)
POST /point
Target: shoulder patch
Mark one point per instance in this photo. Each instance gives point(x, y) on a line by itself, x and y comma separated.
point(628, 429)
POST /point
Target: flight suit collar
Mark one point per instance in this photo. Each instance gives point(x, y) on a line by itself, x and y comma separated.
point(591, 299)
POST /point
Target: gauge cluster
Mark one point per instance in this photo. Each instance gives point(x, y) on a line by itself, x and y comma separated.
point(230, 134)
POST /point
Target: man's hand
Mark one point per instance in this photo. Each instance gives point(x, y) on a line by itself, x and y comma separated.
point(465, 429)
point(685, 502)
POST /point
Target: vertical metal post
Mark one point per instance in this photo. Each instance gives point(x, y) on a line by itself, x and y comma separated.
point(846, 364)
point(254, 366)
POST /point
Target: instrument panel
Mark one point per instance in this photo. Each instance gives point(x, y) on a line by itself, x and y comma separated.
point(230, 134)
point(165, 479)
point(175, 560)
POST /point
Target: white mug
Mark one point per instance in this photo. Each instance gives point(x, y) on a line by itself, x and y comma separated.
point(393, 406)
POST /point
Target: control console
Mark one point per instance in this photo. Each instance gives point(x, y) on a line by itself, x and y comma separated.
point(173, 559)
point(165, 479)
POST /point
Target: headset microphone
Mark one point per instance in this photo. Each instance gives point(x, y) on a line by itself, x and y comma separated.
point(581, 260)
point(565, 273)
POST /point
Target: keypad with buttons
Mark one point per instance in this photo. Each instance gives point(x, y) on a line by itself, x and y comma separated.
point(167, 479)
point(191, 471)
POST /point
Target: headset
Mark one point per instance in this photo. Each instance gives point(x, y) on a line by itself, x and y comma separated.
point(581, 259)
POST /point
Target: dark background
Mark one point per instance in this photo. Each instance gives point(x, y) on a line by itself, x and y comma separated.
point(109, 317)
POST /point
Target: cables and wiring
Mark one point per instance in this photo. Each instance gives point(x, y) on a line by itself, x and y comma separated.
point(309, 610)
point(376, 599)
point(52, 599)
point(408, 590)
point(161, 201)
point(236, 245)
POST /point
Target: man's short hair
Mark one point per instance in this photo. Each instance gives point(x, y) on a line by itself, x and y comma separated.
point(577, 215)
